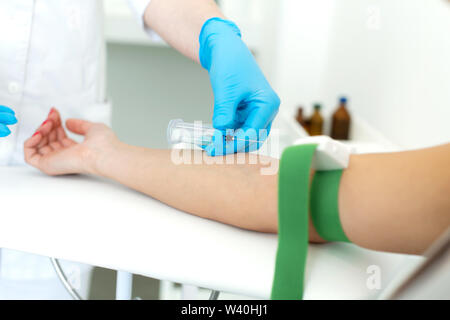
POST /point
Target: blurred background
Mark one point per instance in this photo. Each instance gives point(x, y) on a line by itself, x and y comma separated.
point(389, 58)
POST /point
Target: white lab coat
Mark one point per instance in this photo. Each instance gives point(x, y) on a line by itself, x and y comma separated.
point(52, 53)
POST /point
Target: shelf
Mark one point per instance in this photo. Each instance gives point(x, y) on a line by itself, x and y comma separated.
point(364, 138)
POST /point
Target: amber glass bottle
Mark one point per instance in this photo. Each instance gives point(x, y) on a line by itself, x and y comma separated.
point(316, 127)
point(340, 127)
point(299, 116)
point(300, 119)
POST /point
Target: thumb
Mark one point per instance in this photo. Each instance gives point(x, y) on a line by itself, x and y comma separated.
point(78, 126)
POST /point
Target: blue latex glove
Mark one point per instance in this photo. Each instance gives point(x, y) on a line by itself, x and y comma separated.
point(7, 117)
point(243, 99)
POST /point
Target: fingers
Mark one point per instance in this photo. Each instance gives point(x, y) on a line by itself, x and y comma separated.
point(50, 141)
point(54, 116)
point(237, 141)
point(33, 141)
point(240, 141)
point(37, 145)
point(60, 134)
point(6, 109)
point(4, 130)
point(58, 138)
point(57, 132)
point(45, 129)
point(40, 137)
point(219, 145)
point(252, 117)
point(225, 106)
point(223, 118)
point(52, 136)
point(78, 126)
point(7, 118)
point(49, 137)
point(262, 112)
point(30, 149)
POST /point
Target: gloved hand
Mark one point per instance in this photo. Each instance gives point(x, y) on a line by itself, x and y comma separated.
point(243, 99)
point(7, 117)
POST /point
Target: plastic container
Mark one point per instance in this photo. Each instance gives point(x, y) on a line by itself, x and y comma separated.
point(199, 134)
point(195, 133)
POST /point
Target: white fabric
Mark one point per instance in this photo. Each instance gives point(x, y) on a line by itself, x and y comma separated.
point(52, 53)
point(138, 7)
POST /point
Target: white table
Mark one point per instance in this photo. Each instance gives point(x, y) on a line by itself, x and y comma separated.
point(101, 223)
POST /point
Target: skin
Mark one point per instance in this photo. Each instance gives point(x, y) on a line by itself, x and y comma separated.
point(180, 22)
point(396, 202)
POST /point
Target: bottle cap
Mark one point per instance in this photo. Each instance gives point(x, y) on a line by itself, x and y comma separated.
point(317, 106)
point(343, 99)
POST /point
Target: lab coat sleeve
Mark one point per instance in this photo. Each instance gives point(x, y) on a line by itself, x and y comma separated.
point(138, 7)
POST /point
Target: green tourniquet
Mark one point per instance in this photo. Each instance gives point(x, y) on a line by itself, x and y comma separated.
point(293, 196)
point(325, 207)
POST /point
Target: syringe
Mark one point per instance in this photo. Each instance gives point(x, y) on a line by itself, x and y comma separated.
point(198, 134)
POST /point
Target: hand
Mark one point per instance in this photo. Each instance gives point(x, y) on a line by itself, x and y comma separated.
point(243, 99)
point(7, 117)
point(51, 151)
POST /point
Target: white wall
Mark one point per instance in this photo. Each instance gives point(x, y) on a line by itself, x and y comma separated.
point(302, 48)
point(392, 58)
point(258, 21)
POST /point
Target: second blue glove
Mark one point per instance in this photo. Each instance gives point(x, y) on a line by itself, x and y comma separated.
point(7, 117)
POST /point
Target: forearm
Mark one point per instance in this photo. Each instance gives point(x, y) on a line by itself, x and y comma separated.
point(180, 22)
point(235, 194)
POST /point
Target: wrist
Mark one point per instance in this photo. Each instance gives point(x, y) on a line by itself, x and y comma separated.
point(101, 160)
point(215, 29)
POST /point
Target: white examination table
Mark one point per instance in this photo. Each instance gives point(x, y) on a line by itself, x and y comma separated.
point(101, 223)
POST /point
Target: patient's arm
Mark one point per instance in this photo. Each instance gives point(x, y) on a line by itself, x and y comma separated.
point(396, 202)
point(392, 202)
point(234, 194)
